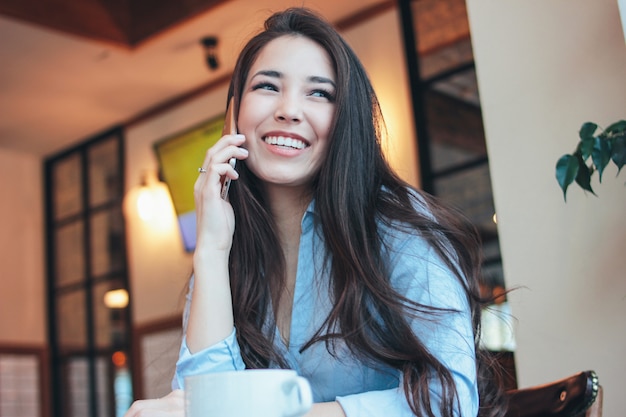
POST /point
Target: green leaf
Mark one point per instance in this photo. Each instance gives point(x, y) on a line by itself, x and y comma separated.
point(583, 177)
point(601, 154)
point(608, 145)
point(617, 127)
point(587, 130)
point(585, 147)
point(566, 172)
point(619, 152)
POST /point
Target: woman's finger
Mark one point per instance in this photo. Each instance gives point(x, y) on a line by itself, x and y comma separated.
point(212, 177)
point(217, 168)
point(225, 148)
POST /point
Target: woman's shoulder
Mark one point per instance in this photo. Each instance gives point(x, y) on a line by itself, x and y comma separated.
point(409, 241)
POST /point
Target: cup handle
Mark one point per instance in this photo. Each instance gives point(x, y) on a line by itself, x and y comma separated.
point(299, 396)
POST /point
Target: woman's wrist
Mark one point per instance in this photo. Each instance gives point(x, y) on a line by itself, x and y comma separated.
point(210, 257)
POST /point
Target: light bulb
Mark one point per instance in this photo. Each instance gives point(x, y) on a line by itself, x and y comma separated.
point(116, 298)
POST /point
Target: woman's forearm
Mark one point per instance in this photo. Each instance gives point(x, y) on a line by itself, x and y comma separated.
point(211, 310)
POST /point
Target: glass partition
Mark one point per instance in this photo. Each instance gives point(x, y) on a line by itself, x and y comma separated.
point(90, 340)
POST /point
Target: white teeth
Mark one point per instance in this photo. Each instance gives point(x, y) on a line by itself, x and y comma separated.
point(283, 141)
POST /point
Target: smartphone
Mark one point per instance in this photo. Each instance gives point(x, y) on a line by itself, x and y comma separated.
point(230, 128)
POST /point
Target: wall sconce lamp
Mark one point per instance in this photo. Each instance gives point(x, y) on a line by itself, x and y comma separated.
point(116, 298)
point(209, 43)
point(150, 200)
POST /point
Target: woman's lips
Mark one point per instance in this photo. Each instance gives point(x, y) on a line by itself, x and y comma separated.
point(286, 141)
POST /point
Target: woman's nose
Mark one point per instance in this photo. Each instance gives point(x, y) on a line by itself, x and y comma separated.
point(289, 109)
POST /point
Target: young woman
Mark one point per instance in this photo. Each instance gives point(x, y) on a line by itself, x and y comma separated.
point(322, 260)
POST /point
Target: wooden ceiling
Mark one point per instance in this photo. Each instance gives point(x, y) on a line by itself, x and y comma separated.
point(126, 23)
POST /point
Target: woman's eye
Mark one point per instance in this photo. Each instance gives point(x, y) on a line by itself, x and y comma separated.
point(328, 95)
point(265, 86)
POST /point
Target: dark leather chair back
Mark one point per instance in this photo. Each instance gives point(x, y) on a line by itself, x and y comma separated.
point(579, 395)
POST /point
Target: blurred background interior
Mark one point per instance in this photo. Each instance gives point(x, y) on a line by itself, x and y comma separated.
point(102, 105)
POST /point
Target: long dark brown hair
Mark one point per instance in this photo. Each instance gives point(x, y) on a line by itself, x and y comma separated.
point(355, 191)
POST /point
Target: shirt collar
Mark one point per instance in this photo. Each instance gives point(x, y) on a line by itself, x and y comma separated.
point(307, 219)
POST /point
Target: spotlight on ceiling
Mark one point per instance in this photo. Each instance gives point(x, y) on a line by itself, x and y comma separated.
point(209, 43)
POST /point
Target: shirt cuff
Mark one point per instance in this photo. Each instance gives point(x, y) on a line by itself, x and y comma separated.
point(221, 357)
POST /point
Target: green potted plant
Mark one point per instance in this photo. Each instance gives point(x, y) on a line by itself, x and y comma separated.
point(602, 146)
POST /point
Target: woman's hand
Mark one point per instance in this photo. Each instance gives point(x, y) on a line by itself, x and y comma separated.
point(214, 216)
point(211, 310)
point(172, 405)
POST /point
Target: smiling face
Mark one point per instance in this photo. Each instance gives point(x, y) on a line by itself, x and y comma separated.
point(286, 111)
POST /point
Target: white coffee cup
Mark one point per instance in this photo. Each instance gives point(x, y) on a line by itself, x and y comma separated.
point(249, 393)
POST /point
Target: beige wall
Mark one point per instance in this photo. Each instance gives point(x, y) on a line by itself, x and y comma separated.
point(158, 265)
point(22, 294)
point(544, 68)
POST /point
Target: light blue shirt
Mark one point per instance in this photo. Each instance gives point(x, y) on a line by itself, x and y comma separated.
point(362, 389)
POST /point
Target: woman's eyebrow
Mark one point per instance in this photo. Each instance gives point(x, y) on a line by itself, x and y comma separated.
point(322, 80)
point(278, 74)
point(268, 73)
